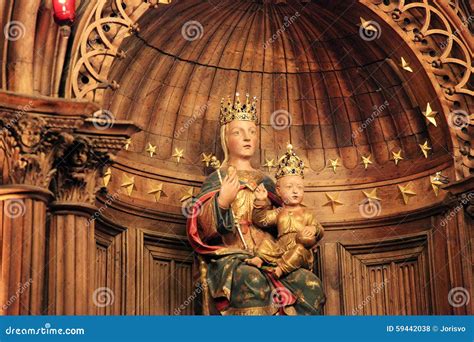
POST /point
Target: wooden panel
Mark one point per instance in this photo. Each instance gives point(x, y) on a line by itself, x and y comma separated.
point(160, 287)
point(183, 294)
point(140, 274)
point(169, 281)
point(109, 272)
point(101, 274)
point(388, 278)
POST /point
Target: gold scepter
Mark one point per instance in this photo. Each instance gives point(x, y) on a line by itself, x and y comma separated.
point(216, 164)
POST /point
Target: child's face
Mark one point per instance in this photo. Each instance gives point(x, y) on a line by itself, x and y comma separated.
point(290, 189)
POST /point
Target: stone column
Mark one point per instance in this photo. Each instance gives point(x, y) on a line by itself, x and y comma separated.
point(71, 240)
point(27, 153)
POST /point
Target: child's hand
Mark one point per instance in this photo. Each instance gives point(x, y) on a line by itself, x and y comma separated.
point(309, 231)
point(307, 236)
point(261, 193)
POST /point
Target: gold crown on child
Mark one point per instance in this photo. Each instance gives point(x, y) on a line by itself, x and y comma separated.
point(290, 164)
point(244, 111)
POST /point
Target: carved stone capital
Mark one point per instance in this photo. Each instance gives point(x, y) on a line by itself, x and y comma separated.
point(45, 139)
point(79, 171)
point(29, 147)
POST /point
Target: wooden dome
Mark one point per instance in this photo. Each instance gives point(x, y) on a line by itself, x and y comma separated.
point(341, 95)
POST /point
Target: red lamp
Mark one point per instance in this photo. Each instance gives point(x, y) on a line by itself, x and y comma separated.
point(64, 11)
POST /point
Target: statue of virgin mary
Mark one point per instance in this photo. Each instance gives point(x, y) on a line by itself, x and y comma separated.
point(221, 232)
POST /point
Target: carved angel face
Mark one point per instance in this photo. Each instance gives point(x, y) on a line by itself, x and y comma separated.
point(290, 189)
point(242, 138)
point(30, 132)
point(80, 155)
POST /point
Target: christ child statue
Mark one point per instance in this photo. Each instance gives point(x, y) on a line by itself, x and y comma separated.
point(298, 229)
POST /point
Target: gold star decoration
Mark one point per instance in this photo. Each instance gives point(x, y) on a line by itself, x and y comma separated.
point(333, 201)
point(425, 148)
point(366, 25)
point(269, 164)
point(406, 192)
point(128, 142)
point(397, 156)
point(366, 161)
point(430, 115)
point(128, 184)
point(178, 154)
point(107, 176)
point(151, 149)
point(372, 195)
point(206, 158)
point(157, 191)
point(405, 66)
point(437, 180)
point(333, 164)
point(187, 195)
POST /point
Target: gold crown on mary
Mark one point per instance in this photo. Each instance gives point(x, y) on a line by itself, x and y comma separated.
point(290, 164)
point(244, 111)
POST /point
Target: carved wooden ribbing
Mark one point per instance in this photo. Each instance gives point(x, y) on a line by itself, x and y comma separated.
point(172, 280)
point(384, 278)
point(72, 267)
point(23, 248)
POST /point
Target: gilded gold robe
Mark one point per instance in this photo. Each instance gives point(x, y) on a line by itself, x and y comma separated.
point(285, 252)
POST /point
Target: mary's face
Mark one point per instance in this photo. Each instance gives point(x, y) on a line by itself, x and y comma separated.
point(242, 138)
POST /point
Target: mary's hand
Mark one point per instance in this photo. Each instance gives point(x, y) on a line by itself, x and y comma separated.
point(229, 189)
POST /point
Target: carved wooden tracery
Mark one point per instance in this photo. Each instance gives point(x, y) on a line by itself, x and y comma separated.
point(447, 55)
